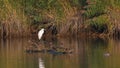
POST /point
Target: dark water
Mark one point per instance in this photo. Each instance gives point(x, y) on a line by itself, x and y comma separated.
point(92, 53)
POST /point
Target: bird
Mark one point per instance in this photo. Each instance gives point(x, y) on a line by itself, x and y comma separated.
point(40, 33)
point(107, 54)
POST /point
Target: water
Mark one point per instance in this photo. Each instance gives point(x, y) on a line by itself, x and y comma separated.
point(92, 53)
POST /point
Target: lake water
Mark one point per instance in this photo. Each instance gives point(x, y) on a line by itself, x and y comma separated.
point(91, 53)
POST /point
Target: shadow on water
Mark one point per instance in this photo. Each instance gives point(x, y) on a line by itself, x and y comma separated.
point(87, 53)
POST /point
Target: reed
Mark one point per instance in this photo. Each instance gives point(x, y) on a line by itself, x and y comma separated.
point(67, 17)
point(99, 15)
point(12, 21)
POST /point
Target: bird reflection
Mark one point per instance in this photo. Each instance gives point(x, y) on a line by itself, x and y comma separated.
point(41, 63)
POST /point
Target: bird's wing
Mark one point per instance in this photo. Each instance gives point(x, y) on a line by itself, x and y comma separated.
point(40, 33)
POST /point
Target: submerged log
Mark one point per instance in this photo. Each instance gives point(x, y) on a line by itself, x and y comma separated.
point(51, 51)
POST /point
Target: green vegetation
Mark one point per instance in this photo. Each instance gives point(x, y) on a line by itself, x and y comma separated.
point(62, 17)
point(101, 16)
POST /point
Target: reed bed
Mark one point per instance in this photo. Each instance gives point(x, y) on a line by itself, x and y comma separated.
point(61, 17)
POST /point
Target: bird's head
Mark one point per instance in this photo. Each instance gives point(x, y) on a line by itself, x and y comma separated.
point(42, 29)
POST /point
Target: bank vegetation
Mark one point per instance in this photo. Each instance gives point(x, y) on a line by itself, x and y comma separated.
point(82, 18)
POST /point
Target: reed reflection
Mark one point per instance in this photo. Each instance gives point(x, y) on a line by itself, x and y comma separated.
point(87, 53)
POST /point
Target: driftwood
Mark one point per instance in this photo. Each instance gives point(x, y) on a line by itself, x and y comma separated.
point(37, 47)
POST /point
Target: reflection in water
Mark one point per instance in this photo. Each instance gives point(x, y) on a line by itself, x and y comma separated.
point(41, 63)
point(86, 54)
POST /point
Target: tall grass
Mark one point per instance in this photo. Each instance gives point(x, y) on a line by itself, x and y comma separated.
point(99, 15)
point(12, 20)
point(23, 17)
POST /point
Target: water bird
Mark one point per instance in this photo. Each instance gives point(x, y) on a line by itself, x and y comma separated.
point(35, 47)
point(107, 54)
point(40, 33)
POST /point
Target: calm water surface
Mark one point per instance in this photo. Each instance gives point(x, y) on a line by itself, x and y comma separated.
point(92, 53)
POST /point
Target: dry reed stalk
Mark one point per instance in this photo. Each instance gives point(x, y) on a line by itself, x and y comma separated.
point(13, 25)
